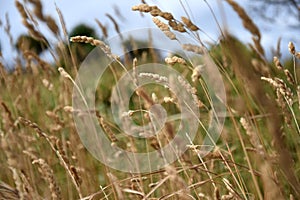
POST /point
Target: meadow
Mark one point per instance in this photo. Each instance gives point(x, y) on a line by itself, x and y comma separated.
point(42, 155)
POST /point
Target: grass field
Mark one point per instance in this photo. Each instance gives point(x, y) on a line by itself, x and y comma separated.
point(42, 157)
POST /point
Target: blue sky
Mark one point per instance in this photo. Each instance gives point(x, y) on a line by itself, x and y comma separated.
point(86, 12)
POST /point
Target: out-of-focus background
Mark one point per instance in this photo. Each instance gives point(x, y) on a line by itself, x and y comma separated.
point(273, 19)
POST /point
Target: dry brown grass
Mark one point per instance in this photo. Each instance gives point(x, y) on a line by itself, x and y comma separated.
point(256, 157)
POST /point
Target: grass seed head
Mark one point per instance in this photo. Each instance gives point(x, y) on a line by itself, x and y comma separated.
point(277, 63)
point(193, 48)
point(189, 24)
point(292, 48)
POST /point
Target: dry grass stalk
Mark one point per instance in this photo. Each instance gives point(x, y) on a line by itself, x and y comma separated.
point(31, 193)
point(277, 63)
point(47, 84)
point(281, 88)
point(189, 24)
point(47, 174)
point(61, 148)
point(118, 13)
point(154, 11)
point(174, 59)
point(152, 52)
point(53, 115)
point(258, 48)
point(69, 109)
point(66, 161)
point(197, 72)
point(134, 192)
point(116, 26)
point(217, 195)
point(18, 67)
point(134, 46)
point(254, 139)
point(231, 192)
point(248, 24)
point(33, 32)
point(177, 182)
point(289, 77)
point(260, 67)
point(51, 23)
point(284, 96)
point(7, 30)
point(58, 150)
point(170, 100)
point(8, 113)
point(134, 72)
point(258, 54)
point(292, 48)
point(295, 54)
point(6, 148)
point(154, 98)
point(156, 77)
point(45, 65)
point(164, 27)
point(193, 48)
point(191, 90)
point(29, 25)
point(247, 21)
point(29, 67)
point(88, 40)
point(298, 95)
point(142, 8)
point(63, 73)
point(115, 183)
point(129, 113)
point(37, 129)
point(167, 16)
point(18, 183)
point(268, 105)
point(278, 52)
point(38, 9)
point(21, 10)
point(31, 17)
point(170, 35)
point(62, 22)
point(7, 192)
point(38, 12)
point(3, 72)
point(271, 189)
point(92, 41)
point(107, 129)
point(102, 27)
point(177, 26)
point(285, 91)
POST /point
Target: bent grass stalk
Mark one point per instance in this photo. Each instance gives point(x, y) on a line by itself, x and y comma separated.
point(293, 114)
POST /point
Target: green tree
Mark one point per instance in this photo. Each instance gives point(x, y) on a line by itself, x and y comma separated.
point(26, 42)
point(141, 49)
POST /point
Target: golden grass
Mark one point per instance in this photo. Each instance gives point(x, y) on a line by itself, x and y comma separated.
point(256, 157)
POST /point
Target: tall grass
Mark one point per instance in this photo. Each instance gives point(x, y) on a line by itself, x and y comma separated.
point(42, 157)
